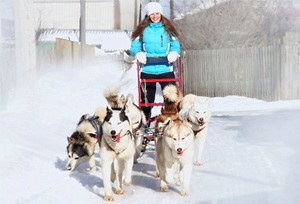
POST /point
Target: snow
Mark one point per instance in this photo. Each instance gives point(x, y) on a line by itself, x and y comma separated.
point(251, 153)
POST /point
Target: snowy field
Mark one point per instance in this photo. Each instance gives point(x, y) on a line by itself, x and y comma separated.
point(251, 153)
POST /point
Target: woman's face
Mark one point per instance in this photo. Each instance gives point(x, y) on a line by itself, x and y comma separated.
point(155, 17)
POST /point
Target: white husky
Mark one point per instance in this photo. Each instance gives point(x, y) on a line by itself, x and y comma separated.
point(117, 150)
point(198, 114)
point(138, 121)
point(176, 146)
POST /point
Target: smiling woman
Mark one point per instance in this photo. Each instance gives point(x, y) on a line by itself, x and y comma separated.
point(155, 36)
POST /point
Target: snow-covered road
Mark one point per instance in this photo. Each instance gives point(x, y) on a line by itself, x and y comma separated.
point(251, 153)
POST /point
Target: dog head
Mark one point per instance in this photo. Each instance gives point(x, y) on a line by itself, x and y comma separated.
point(199, 113)
point(179, 136)
point(116, 123)
point(81, 144)
point(136, 116)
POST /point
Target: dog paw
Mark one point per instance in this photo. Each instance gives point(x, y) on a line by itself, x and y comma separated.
point(127, 183)
point(109, 198)
point(164, 188)
point(119, 191)
point(199, 163)
point(185, 192)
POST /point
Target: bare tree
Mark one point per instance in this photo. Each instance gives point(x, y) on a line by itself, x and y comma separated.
point(229, 24)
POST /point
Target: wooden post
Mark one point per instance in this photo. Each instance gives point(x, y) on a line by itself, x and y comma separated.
point(82, 32)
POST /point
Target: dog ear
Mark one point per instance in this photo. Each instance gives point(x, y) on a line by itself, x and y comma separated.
point(168, 121)
point(122, 99)
point(108, 109)
point(82, 118)
point(129, 101)
point(185, 120)
point(69, 139)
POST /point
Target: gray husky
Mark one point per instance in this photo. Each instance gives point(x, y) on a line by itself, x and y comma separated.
point(83, 142)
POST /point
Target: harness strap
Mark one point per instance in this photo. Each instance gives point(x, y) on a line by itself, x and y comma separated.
point(92, 120)
point(120, 138)
point(195, 131)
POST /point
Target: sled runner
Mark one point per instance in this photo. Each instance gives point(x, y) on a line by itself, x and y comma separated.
point(150, 131)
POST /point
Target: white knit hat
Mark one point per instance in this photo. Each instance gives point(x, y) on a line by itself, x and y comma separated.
point(153, 7)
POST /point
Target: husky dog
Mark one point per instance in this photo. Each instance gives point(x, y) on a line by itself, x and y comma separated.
point(171, 96)
point(198, 114)
point(83, 142)
point(117, 150)
point(138, 121)
point(176, 146)
point(135, 115)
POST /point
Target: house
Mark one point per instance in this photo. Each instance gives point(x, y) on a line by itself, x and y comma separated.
point(108, 22)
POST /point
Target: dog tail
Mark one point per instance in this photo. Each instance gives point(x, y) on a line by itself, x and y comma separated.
point(171, 95)
point(112, 97)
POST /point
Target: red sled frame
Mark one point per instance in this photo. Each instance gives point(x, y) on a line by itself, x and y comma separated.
point(150, 132)
point(176, 79)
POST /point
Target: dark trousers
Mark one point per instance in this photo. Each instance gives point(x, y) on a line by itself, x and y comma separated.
point(151, 89)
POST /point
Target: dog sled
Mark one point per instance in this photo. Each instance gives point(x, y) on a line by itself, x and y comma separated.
point(150, 131)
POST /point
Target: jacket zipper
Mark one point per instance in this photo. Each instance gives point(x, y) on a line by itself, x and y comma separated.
point(162, 41)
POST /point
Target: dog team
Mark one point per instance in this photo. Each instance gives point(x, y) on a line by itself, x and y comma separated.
point(117, 130)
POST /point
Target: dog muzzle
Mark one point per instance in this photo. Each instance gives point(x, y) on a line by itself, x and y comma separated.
point(116, 138)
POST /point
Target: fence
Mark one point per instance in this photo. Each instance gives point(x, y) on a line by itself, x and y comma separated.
point(268, 73)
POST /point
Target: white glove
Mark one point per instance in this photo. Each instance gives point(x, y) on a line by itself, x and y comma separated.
point(141, 57)
point(172, 56)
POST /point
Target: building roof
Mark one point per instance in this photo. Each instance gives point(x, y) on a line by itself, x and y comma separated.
point(106, 40)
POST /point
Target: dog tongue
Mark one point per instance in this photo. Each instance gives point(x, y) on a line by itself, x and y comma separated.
point(118, 138)
point(180, 154)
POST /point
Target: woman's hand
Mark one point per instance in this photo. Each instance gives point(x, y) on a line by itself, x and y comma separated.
point(141, 57)
point(172, 56)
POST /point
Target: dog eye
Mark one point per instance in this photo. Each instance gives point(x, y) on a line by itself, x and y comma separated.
point(174, 139)
point(76, 158)
point(183, 138)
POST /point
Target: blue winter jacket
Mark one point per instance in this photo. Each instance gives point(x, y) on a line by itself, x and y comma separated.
point(157, 43)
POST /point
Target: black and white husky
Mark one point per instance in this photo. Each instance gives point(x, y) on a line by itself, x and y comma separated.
point(83, 142)
point(135, 115)
point(117, 150)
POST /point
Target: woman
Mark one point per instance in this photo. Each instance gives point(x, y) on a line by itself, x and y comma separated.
point(155, 36)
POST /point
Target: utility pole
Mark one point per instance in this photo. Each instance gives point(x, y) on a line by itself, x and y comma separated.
point(82, 32)
point(25, 43)
point(171, 10)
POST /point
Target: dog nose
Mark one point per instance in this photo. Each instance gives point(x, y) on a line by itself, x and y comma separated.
point(113, 132)
point(201, 119)
point(179, 149)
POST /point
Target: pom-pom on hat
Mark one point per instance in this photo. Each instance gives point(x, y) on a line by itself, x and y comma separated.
point(153, 7)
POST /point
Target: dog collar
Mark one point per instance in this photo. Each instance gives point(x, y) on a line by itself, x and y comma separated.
point(94, 135)
point(197, 131)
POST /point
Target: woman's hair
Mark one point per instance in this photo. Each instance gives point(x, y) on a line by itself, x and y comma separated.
point(138, 32)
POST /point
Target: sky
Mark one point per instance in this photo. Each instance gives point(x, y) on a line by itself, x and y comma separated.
point(251, 154)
